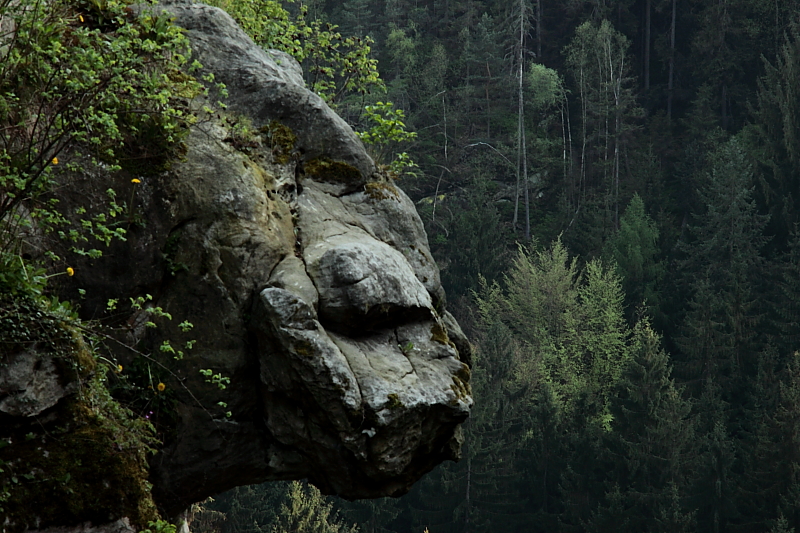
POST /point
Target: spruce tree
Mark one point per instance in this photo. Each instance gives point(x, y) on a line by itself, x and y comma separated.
point(774, 137)
point(356, 17)
point(650, 448)
point(634, 249)
point(787, 419)
point(250, 508)
point(714, 488)
point(724, 270)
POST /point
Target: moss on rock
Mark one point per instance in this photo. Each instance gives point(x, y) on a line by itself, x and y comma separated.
point(439, 334)
point(324, 169)
point(282, 140)
point(393, 401)
point(381, 190)
point(461, 386)
point(84, 459)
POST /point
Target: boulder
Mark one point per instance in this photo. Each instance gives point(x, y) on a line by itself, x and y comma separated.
point(316, 297)
point(30, 383)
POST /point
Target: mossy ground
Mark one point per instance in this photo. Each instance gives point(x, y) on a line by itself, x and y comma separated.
point(82, 460)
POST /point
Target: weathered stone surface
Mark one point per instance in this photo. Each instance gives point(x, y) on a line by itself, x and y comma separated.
point(265, 90)
point(30, 383)
point(321, 302)
point(364, 286)
point(290, 274)
point(362, 411)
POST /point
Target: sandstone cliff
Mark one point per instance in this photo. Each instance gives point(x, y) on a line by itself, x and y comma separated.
point(308, 278)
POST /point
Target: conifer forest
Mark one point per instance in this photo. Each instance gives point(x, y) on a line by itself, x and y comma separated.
point(610, 190)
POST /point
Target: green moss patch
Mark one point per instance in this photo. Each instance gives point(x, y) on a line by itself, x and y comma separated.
point(393, 401)
point(325, 169)
point(461, 386)
point(75, 472)
point(439, 334)
point(379, 190)
point(24, 323)
point(281, 139)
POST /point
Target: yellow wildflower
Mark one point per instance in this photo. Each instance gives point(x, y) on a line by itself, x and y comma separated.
point(161, 387)
point(55, 160)
point(119, 368)
point(70, 271)
point(136, 180)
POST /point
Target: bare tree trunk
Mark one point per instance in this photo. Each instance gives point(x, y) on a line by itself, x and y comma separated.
point(466, 509)
point(607, 112)
point(520, 112)
point(671, 81)
point(527, 194)
point(647, 45)
point(568, 167)
point(567, 181)
point(488, 106)
point(444, 112)
point(519, 144)
point(584, 118)
point(724, 105)
point(618, 128)
point(539, 29)
point(777, 27)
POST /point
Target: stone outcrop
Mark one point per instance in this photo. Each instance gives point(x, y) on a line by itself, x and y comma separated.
point(31, 383)
point(317, 297)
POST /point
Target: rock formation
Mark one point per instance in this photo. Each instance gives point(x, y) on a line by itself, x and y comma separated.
point(309, 281)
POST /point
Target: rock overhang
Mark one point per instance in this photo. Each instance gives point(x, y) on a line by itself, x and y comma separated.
point(321, 302)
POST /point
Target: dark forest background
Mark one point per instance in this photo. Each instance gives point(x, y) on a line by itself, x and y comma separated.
point(611, 190)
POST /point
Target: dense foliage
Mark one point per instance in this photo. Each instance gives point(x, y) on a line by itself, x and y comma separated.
point(637, 365)
point(85, 87)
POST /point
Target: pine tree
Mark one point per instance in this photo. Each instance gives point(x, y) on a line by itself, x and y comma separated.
point(787, 420)
point(573, 321)
point(356, 17)
point(715, 487)
point(251, 508)
point(724, 269)
point(634, 249)
point(774, 137)
point(481, 493)
point(543, 460)
point(725, 44)
point(784, 317)
point(467, 232)
point(781, 526)
point(650, 446)
point(372, 516)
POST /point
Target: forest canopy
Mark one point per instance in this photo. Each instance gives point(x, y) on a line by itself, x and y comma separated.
point(610, 189)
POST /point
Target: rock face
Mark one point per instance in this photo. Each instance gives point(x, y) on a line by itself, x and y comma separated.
point(36, 380)
point(318, 298)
